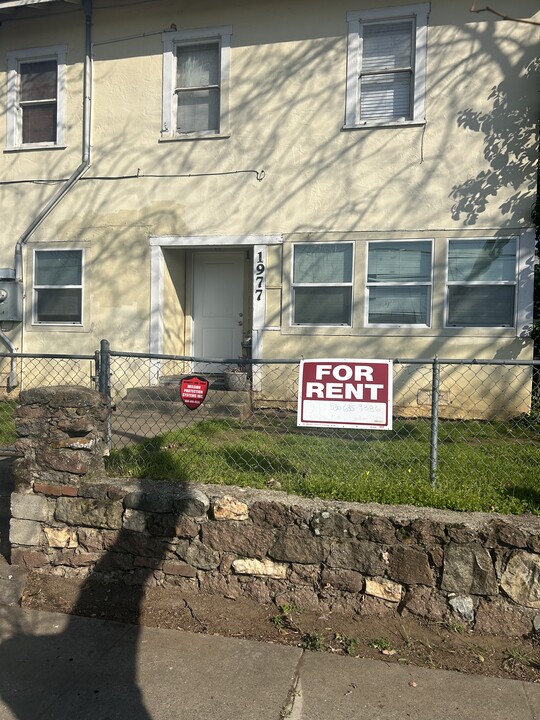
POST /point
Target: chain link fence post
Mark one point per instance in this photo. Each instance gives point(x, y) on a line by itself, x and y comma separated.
point(104, 385)
point(95, 377)
point(434, 441)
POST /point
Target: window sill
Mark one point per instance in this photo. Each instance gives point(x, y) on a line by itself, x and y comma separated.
point(310, 326)
point(59, 327)
point(399, 326)
point(385, 124)
point(481, 327)
point(322, 330)
point(32, 147)
point(417, 332)
point(194, 136)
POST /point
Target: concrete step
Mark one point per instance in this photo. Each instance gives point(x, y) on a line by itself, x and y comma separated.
point(215, 380)
point(162, 405)
point(156, 409)
point(152, 396)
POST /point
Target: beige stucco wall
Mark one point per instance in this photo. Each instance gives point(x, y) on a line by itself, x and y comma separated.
point(287, 95)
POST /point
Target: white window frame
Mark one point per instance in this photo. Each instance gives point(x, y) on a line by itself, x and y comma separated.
point(483, 283)
point(36, 287)
point(356, 20)
point(400, 283)
point(322, 285)
point(14, 111)
point(171, 42)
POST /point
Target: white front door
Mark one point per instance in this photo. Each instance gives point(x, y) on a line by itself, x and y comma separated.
point(218, 303)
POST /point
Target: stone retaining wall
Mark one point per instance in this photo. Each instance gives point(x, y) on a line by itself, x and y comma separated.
point(69, 519)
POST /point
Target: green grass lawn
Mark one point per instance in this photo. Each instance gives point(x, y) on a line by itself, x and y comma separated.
point(493, 466)
point(7, 423)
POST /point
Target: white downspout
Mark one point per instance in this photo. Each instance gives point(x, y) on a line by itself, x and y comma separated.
point(79, 172)
point(85, 162)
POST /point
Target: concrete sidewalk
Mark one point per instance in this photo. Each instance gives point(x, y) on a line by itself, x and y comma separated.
point(57, 667)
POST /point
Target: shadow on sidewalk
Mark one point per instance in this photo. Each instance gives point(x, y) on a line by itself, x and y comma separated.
point(6, 488)
point(63, 668)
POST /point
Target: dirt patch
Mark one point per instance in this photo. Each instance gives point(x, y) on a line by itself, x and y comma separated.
point(395, 640)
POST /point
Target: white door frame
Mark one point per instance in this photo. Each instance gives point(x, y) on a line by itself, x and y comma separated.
point(157, 274)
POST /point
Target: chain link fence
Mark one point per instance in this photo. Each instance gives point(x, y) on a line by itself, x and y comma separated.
point(18, 371)
point(468, 428)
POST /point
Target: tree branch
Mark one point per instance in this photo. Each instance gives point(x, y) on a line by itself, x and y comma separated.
point(504, 17)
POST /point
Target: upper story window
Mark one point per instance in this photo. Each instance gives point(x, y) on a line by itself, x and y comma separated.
point(196, 83)
point(36, 89)
point(399, 282)
point(322, 283)
point(58, 283)
point(386, 66)
point(482, 283)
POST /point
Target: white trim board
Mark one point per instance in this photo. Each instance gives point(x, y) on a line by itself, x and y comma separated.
point(157, 272)
point(171, 42)
point(214, 240)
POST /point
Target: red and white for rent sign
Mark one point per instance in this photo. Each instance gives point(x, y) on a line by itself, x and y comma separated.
point(345, 394)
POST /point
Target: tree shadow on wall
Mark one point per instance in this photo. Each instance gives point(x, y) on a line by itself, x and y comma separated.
point(510, 150)
point(60, 667)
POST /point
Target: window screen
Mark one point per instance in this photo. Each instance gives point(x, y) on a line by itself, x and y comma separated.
point(387, 71)
point(38, 101)
point(322, 284)
point(58, 286)
point(481, 282)
point(399, 283)
point(198, 88)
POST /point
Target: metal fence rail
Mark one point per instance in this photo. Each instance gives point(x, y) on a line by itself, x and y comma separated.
point(465, 422)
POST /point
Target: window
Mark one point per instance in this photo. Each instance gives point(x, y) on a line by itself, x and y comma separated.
point(196, 83)
point(322, 283)
point(58, 287)
point(386, 59)
point(481, 283)
point(399, 283)
point(36, 88)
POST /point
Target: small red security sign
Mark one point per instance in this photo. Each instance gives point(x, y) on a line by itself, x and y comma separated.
point(193, 389)
point(345, 394)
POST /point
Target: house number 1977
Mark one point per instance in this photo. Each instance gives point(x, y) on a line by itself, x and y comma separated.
point(260, 269)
